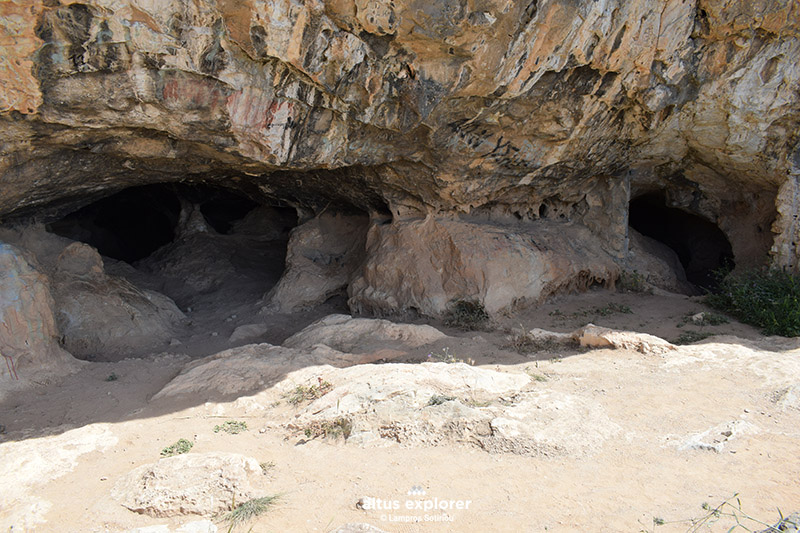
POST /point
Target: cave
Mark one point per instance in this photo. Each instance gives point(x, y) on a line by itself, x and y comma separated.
point(128, 226)
point(132, 224)
point(701, 246)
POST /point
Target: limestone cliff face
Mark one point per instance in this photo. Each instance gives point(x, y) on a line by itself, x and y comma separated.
point(495, 108)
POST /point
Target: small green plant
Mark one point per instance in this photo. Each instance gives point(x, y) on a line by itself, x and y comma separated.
point(690, 337)
point(467, 315)
point(768, 299)
point(632, 281)
point(303, 393)
point(112, 377)
point(266, 466)
point(447, 357)
point(232, 427)
point(244, 512)
point(339, 427)
point(182, 446)
point(437, 399)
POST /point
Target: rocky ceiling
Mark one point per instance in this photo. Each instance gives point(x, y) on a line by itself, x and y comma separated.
point(492, 108)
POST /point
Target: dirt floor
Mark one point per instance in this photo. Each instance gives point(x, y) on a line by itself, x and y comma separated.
point(66, 442)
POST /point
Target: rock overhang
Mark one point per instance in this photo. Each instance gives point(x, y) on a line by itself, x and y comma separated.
point(502, 111)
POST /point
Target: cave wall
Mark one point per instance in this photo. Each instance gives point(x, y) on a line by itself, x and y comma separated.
point(528, 109)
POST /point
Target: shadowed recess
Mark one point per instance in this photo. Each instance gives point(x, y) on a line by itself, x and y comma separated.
point(701, 246)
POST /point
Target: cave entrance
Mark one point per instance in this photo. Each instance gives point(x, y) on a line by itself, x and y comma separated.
point(218, 256)
point(700, 245)
point(128, 226)
point(186, 241)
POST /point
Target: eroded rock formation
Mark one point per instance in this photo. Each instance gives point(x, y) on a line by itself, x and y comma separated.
point(540, 118)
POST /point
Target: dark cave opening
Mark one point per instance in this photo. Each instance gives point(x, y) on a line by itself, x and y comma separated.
point(132, 224)
point(129, 225)
point(701, 246)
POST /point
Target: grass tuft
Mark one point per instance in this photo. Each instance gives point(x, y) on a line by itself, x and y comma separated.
point(447, 357)
point(437, 399)
point(633, 281)
point(244, 512)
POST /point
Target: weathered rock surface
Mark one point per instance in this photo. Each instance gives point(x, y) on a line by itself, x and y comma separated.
point(598, 337)
point(98, 316)
point(29, 464)
point(202, 484)
point(28, 331)
point(440, 403)
point(195, 526)
point(357, 528)
point(427, 265)
point(362, 335)
point(715, 439)
point(534, 110)
point(321, 257)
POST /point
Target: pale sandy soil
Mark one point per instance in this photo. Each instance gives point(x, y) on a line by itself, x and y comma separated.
point(658, 402)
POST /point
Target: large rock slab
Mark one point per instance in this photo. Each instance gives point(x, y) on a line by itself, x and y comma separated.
point(434, 404)
point(28, 331)
point(321, 257)
point(334, 341)
point(202, 484)
point(362, 335)
point(428, 265)
point(522, 109)
point(250, 368)
point(30, 464)
point(104, 317)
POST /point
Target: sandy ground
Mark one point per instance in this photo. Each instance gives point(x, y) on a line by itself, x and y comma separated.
point(67, 442)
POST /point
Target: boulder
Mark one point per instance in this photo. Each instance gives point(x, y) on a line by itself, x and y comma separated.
point(362, 335)
point(321, 257)
point(193, 483)
point(428, 265)
point(29, 336)
point(592, 336)
point(104, 317)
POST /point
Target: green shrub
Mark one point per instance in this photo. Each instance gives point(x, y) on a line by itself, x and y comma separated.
point(768, 299)
point(632, 281)
point(233, 427)
point(182, 446)
point(467, 315)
